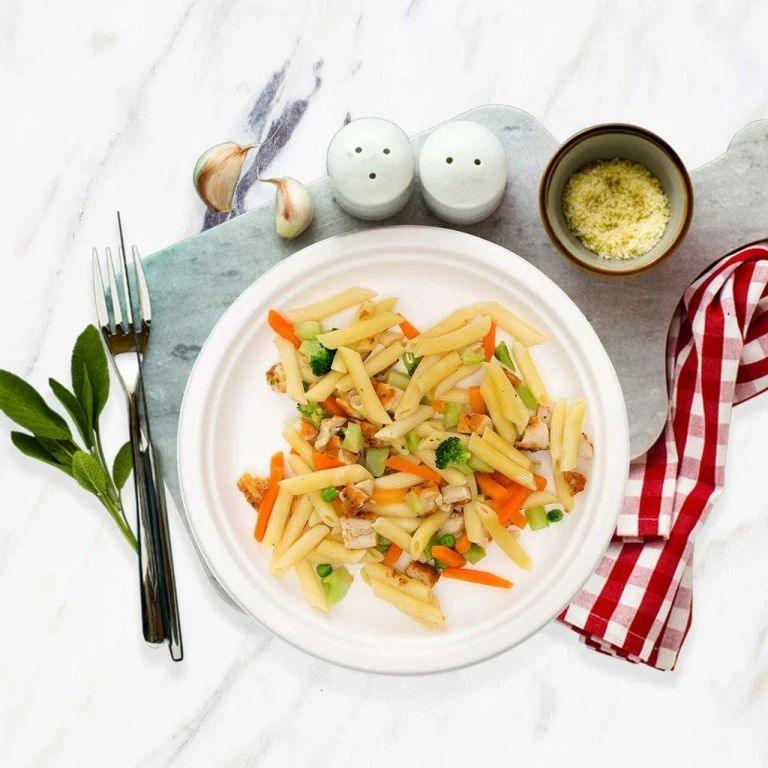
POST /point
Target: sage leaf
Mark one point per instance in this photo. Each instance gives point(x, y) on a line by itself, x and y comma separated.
point(30, 446)
point(61, 450)
point(122, 466)
point(22, 403)
point(74, 409)
point(88, 472)
point(87, 395)
point(88, 355)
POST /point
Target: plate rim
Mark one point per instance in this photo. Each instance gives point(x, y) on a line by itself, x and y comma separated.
point(371, 238)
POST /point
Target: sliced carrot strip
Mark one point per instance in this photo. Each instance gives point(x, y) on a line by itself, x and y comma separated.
point(476, 402)
point(490, 487)
point(409, 331)
point(282, 327)
point(476, 577)
point(393, 554)
point(489, 343)
point(509, 509)
point(403, 465)
point(503, 479)
point(321, 461)
point(389, 495)
point(448, 556)
point(438, 406)
point(332, 407)
point(276, 474)
point(463, 544)
point(541, 482)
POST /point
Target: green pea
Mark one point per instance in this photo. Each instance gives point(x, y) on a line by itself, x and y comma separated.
point(448, 540)
point(323, 570)
point(555, 515)
point(329, 494)
point(439, 564)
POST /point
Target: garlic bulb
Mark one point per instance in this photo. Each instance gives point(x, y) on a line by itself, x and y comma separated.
point(217, 172)
point(294, 207)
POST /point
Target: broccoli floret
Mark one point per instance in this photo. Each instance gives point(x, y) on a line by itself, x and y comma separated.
point(473, 355)
point(319, 357)
point(314, 413)
point(451, 453)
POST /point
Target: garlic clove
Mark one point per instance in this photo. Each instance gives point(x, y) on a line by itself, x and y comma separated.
point(294, 207)
point(217, 172)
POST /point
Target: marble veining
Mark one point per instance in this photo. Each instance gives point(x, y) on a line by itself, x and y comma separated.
point(111, 110)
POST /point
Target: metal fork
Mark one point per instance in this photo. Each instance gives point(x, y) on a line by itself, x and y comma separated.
point(127, 343)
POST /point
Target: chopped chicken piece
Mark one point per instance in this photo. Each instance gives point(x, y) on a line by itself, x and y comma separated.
point(454, 525)
point(358, 532)
point(456, 494)
point(485, 538)
point(388, 396)
point(351, 403)
point(429, 495)
point(544, 412)
point(535, 437)
point(352, 498)
point(513, 380)
point(586, 449)
point(576, 482)
point(422, 572)
point(305, 429)
point(369, 430)
point(335, 451)
point(253, 488)
point(276, 378)
point(473, 422)
point(328, 428)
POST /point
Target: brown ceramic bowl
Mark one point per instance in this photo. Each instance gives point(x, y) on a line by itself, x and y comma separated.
point(604, 142)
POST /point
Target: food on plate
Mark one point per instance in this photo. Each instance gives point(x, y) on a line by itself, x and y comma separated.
point(397, 469)
point(617, 208)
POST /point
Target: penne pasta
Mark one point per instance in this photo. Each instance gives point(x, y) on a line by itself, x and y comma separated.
point(450, 341)
point(472, 525)
point(563, 491)
point(311, 587)
point(335, 553)
point(325, 478)
point(385, 305)
point(389, 510)
point(530, 374)
point(278, 518)
point(324, 512)
point(451, 381)
point(507, 541)
point(500, 422)
point(540, 499)
point(425, 531)
point(372, 556)
point(299, 549)
point(300, 513)
point(324, 387)
point(443, 368)
point(387, 338)
point(393, 532)
point(513, 325)
point(402, 426)
point(374, 410)
point(398, 480)
point(512, 407)
point(557, 424)
point(472, 482)
point(483, 450)
point(302, 447)
point(408, 524)
point(399, 581)
point(315, 519)
point(456, 396)
point(343, 337)
point(456, 320)
point(507, 449)
point(373, 365)
point(574, 421)
point(425, 613)
point(294, 384)
point(451, 475)
point(412, 397)
point(330, 306)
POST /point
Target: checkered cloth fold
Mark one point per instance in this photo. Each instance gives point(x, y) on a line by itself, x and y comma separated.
point(637, 604)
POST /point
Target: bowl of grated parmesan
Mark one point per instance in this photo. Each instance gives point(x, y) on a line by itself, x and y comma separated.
point(616, 199)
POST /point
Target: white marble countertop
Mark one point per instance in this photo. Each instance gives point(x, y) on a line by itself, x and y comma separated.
point(111, 104)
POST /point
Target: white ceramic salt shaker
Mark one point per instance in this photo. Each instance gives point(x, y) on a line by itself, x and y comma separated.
point(463, 172)
point(371, 165)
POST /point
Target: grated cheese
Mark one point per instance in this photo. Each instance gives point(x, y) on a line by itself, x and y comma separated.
point(617, 208)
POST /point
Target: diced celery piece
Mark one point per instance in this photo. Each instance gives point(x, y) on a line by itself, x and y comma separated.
point(502, 353)
point(410, 362)
point(537, 518)
point(375, 459)
point(412, 441)
point(353, 437)
point(308, 330)
point(336, 584)
point(382, 544)
point(451, 415)
point(473, 355)
point(397, 379)
point(525, 395)
point(415, 504)
point(479, 465)
point(474, 554)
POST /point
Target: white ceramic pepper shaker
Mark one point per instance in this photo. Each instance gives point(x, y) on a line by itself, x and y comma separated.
point(463, 172)
point(371, 165)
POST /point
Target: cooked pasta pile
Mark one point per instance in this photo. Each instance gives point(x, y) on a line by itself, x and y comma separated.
point(399, 463)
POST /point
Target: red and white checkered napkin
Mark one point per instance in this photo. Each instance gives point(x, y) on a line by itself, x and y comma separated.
point(637, 604)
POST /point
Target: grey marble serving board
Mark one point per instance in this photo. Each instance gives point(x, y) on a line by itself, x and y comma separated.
point(196, 280)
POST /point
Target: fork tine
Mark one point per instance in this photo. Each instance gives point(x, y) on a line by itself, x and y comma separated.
point(116, 311)
point(126, 289)
point(98, 294)
point(145, 306)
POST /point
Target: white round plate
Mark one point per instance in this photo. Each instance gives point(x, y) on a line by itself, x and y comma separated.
point(231, 422)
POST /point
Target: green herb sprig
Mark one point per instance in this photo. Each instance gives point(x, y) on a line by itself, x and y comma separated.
point(49, 438)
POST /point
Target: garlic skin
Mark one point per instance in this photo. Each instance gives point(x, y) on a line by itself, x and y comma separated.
point(294, 207)
point(217, 172)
